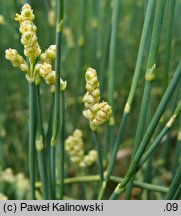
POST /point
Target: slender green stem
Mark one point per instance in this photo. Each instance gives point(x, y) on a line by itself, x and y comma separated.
point(143, 185)
point(42, 166)
point(95, 178)
point(94, 19)
point(50, 121)
point(80, 45)
point(40, 146)
point(166, 148)
point(84, 194)
point(174, 185)
point(62, 139)
point(48, 140)
point(32, 129)
point(32, 156)
point(53, 171)
point(167, 54)
point(59, 27)
point(39, 111)
point(149, 132)
point(158, 139)
point(112, 51)
point(168, 33)
point(149, 77)
point(80, 56)
point(136, 76)
point(140, 128)
point(100, 35)
point(104, 59)
point(78, 179)
point(101, 169)
point(177, 150)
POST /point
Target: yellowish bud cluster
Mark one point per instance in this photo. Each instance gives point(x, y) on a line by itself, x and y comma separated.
point(43, 68)
point(22, 183)
point(89, 159)
point(46, 72)
point(95, 112)
point(28, 30)
point(49, 55)
point(7, 176)
point(16, 59)
point(102, 114)
point(19, 182)
point(74, 146)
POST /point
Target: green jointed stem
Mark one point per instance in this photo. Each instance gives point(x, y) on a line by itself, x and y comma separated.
point(111, 70)
point(100, 35)
point(112, 51)
point(140, 128)
point(78, 179)
point(80, 44)
point(170, 19)
point(32, 156)
point(143, 40)
point(142, 116)
point(150, 76)
point(111, 74)
point(59, 26)
point(103, 62)
point(62, 140)
point(39, 111)
point(103, 54)
point(32, 130)
point(136, 77)
point(40, 147)
point(52, 171)
point(143, 185)
point(80, 54)
point(95, 12)
point(48, 140)
point(177, 150)
point(158, 139)
point(42, 167)
point(95, 178)
point(50, 120)
point(174, 185)
point(149, 132)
